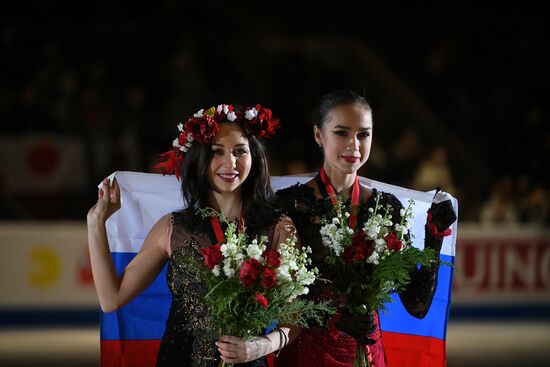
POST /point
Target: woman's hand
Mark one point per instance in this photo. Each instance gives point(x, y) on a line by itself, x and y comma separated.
point(108, 202)
point(238, 350)
point(358, 327)
point(441, 211)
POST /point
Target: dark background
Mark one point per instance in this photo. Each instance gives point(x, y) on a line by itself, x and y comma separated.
point(118, 77)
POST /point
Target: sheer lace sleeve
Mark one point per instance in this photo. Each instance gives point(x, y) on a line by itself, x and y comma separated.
point(418, 295)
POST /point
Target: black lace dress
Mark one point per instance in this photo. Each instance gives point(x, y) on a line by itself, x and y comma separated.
point(189, 338)
point(316, 345)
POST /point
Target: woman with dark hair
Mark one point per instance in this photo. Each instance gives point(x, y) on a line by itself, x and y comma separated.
point(222, 165)
point(344, 130)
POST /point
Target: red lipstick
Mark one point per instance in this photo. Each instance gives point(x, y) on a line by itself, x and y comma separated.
point(350, 158)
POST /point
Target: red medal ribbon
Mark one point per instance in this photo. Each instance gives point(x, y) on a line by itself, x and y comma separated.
point(334, 198)
point(215, 221)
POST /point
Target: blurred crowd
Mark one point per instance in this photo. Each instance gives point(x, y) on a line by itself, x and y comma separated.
point(117, 86)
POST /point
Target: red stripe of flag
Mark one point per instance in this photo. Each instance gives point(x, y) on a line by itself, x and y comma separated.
point(129, 353)
point(403, 350)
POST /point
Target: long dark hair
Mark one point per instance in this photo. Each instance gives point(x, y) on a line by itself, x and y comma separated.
point(337, 98)
point(257, 194)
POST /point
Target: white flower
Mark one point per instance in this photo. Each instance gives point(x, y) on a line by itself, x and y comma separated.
point(251, 114)
point(229, 249)
point(231, 116)
point(255, 250)
point(176, 143)
point(373, 258)
point(254, 253)
point(227, 268)
point(199, 113)
point(332, 236)
point(216, 270)
point(283, 273)
point(373, 231)
point(292, 265)
point(180, 126)
point(239, 257)
point(305, 277)
point(223, 107)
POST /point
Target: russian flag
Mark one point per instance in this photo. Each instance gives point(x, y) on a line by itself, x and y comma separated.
point(131, 336)
point(409, 341)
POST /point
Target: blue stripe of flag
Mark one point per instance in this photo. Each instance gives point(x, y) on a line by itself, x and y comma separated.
point(398, 320)
point(145, 317)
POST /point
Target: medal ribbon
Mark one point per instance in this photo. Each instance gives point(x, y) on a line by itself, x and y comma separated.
point(216, 226)
point(334, 198)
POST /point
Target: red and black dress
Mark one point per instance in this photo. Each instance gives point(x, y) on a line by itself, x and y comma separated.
point(326, 345)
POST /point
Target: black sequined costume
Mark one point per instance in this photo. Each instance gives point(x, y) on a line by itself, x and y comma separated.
point(189, 338)
point(314, 346)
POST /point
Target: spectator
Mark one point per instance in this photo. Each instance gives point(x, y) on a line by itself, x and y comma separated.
point(434, 172)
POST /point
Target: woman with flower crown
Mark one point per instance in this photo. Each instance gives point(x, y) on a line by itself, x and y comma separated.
point(344, 130)
point(222, 165)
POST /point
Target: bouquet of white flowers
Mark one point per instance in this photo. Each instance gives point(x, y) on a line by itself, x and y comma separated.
point(373, 262)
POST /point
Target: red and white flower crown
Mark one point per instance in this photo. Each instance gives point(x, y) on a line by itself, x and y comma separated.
point(204, 125)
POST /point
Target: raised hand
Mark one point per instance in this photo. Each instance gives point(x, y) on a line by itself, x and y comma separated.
point(441, 211)
point(108, 201)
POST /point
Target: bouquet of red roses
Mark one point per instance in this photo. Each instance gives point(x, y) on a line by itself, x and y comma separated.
point(251, 286)
point(373, 262)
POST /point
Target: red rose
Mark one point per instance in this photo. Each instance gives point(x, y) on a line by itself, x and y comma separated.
point(361, 248)
point(359, 254)
point(264, 125)
point(268, 278)
point(348, 255)
point(182, 139)
point(250, 271)
point(212, 256)
point(393, 243)
point(262, 301)
point(256, 264)
point(272, 258)
point(203, 129)
point(355, 253)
